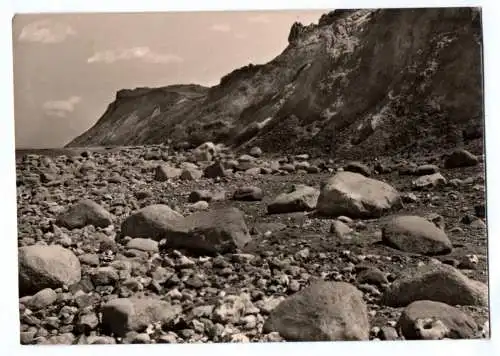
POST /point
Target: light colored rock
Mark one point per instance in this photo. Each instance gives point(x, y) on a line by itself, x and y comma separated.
point(457, 324)
point(142, 244)
point(298, 198)
point(340, 229)
point(231, 309)
point(42, 299)
point(429, 181)
point(215, 230)
point(256, 151)
point(325, 311)
point(43, 267)
point(155, 222)
point(415, 234)
point(199, 206)
point(356, 196)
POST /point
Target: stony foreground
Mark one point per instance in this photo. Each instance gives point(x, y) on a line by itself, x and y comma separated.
point(148, 245)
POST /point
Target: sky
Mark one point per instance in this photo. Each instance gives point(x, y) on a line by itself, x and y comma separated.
point(68, 67)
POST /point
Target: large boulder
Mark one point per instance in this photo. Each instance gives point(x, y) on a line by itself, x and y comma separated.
point(458, 325)
point(219, 230)
point(43, 267)
point(416, 235)
point(298, 198)
point(356, 196)
point(436, 282)
point(324, 311)
point(85, 212)
point(157, 221)
point(122, 315)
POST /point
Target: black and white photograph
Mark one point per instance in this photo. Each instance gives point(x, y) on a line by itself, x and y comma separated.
point(251, 176)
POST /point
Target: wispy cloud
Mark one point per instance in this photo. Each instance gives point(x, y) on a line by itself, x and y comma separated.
point(46, 31)
point(220, 27)
point(259, 19)
point(138, 53)
point(61, 108)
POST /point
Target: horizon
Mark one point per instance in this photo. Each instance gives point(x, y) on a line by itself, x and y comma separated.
point(69, 66)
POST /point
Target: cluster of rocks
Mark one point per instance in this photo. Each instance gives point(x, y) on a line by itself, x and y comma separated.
point(101, 260)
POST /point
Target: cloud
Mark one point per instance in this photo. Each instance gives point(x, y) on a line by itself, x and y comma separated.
point(220, 27)
point(141, 53)
point(259, 19)
point(240, 35)
point(61, 108)
point(46, 31)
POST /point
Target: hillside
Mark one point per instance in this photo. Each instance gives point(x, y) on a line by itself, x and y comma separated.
point(359, 83)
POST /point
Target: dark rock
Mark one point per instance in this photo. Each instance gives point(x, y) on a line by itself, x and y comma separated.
point(214, 171)
point(85, 212)
point(198, 195)
point(460, 158)
point(120, 316)
point(480, 210)
point(248, 193)
point(440, 283)
point(358, 167)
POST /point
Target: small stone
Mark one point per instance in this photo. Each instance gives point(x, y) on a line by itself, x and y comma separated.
point(294, 286)
point(340, 229)
point(141, 338)
point(239, 338)
point(273, 337)
point(143, 244)
point(169, 338)
point(87, 322)
point(388, 333)
point(27, 337)
point(200, 195)
point(256, 151)
point(101, 340)
point(105, 276)
point(91, 259)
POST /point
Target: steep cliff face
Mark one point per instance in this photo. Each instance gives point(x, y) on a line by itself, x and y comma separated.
point(360, 82)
